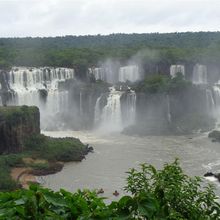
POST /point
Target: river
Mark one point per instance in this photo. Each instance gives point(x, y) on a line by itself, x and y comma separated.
point(114, 154)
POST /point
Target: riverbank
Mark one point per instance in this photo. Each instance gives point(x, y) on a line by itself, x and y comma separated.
point(42, 155)
point(32, 169)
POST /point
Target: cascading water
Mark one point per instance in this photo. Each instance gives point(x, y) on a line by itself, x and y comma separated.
point(130, 114)
point(129, 73)
point(97, 111)
point(216, 90)
point(98, 73)
point(105, 74)
point(111, 116)
point(40, 87)
point(116, 114)
point(199, 74)
point(168, 110)
point(174, 69)
point(210, 101)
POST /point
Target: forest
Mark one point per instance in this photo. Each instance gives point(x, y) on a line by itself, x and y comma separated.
point(83, 51)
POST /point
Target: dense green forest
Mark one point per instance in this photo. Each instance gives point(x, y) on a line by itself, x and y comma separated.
point(84, 51)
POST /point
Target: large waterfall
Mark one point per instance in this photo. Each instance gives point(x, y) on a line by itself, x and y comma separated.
point(108, 74)
point(129, 73)
point(40, 87)
point(98, 73)
point(130, 109)
point(113, 117)
point(174, 69)
point(199, 74)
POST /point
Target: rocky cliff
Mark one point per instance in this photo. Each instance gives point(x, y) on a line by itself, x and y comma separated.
point(16, 124)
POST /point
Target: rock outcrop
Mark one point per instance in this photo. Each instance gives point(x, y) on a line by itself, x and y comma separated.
point(16, 124)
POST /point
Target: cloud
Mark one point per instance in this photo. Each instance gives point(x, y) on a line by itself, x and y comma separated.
point(79, 17)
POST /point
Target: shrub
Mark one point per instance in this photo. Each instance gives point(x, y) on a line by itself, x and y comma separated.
point(55, 149)
point(155, 195)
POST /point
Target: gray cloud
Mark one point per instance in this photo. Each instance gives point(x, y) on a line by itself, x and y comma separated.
point(80, 17)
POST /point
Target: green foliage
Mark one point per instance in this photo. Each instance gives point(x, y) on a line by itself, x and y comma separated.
point(15, 114)
point(178, 196)
point(153, 84)
point(83, 51)
point(55, 149)
point(40, 166)
point(155, 195)
point(178, 83)
point(162, 84)
point(6, 162)
point(42, 147)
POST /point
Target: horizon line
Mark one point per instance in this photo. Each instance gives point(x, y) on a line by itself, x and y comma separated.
point(109, 34)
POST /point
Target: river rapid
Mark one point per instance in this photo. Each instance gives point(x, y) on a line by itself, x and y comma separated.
point(114, 154)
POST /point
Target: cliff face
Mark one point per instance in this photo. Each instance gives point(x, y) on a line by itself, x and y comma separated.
point(16, 124)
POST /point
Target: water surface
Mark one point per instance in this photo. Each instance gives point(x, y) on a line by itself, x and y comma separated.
point(114, 154)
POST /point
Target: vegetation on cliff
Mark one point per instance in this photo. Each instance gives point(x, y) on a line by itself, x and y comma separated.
point(48, 151)
point(16, 124)
point(162, 84)
point(153, 194)
point(20, 134)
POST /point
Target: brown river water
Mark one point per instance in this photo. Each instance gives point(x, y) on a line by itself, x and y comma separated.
point(114, 154)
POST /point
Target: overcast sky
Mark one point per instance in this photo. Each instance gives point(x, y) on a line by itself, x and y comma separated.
point(20, 18)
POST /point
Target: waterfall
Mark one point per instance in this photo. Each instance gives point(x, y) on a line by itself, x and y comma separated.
point(210, 100)
point(105, 74)
point(129, 73)
point(40, 87)
point(116, 114)
point(199, 74)
point(111, 116)
point(130, 109)
point(216, 91)
point(174, 69)
point(98, 73)
point(168, 110)
point(97, 111)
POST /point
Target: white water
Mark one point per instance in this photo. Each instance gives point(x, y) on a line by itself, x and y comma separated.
point(26, 84)
point(111, 118)
point(97, 111)
point(103, 73)
point(199, 74)
point(130, 114)
point(129, 73)
point(99, 73)
point(168, 110)
point(174, 69)
point(210, 101)
point(126, 73)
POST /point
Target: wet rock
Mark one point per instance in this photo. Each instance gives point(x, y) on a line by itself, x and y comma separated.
point(209, 174)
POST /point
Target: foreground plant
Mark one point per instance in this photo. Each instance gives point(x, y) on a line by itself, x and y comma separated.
point(154, 194)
